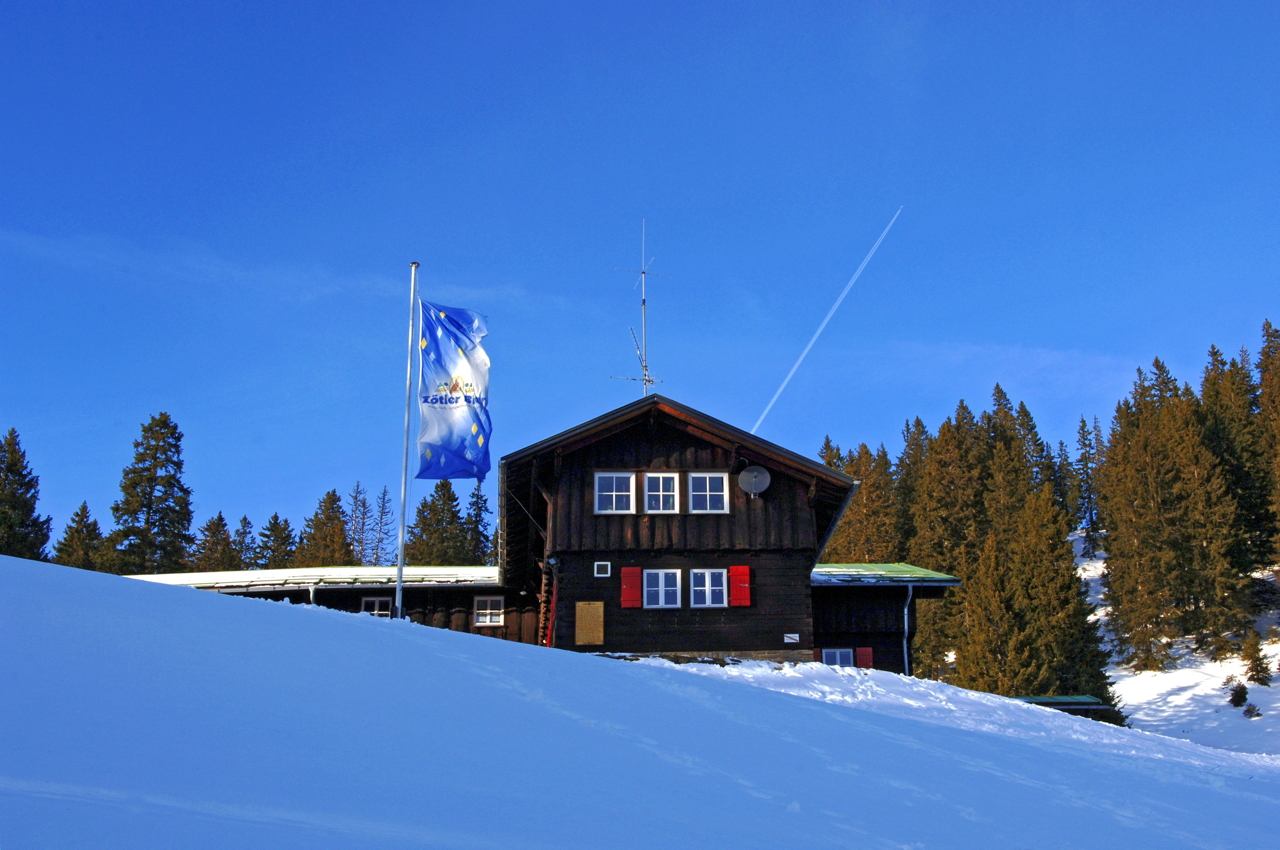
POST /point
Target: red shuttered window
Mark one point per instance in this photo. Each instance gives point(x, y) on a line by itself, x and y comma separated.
point(632, 593)
point(739, 587)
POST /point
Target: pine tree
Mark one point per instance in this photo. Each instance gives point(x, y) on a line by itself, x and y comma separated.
point(360, 526)
point(276, 544)
point(153, 515)
point(1257, 668)
point(384, 524)
point(1175, 564)
point(245, 545)
point(906, 472)
point(81, 542)
point(867, 533)
point(214, 550)
point(23, 532)
point(475, 528)
point(436, 537)
point(323, 541)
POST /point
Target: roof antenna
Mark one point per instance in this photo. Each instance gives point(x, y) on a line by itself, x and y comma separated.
point(642, 345)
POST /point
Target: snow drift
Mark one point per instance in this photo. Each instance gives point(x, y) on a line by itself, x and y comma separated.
point(138, 715)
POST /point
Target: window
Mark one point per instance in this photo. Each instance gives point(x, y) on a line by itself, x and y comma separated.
point(838, 657)
point(603, 569)
point(488, 610)
point(708, 492)
point(615, 492)
point(662, 588)
point(707, 588)
point(661, 494)
point(378, 606)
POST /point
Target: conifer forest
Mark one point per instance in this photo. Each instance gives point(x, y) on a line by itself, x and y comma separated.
point(1179, 491)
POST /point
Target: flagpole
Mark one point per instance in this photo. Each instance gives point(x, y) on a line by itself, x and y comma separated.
point(404, 470)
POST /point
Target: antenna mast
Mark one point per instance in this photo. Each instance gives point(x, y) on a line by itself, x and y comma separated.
point(642, 345)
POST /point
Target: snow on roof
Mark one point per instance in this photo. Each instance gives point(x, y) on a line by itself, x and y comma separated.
point(830, 575)
point(353, 577)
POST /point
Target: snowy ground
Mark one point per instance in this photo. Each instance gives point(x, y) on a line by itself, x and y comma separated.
point(1189, 701)
point(143, 716)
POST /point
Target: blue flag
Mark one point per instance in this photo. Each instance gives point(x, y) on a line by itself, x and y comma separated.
point(453, 394)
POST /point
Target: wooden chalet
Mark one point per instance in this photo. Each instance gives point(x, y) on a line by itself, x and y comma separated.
point(635, 535)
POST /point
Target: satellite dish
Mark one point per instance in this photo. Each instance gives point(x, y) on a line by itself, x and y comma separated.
point(754, 480)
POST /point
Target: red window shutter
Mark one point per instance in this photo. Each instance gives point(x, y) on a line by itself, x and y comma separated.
point(864, 656)
point(739, 587)
point(817, 654)
point(631, 587)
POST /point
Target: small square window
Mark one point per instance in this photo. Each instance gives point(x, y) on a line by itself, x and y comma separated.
point(708, 492)
point(662, 588)
point(707, 588)
point(661, 493)
point(615, 492)
point(378, 606)
point(838, 657)
point(603, 569)
point(489, 610)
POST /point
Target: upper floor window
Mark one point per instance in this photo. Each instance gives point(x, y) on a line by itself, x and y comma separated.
point(615, 492)
point(708, 492)
point(661, 493)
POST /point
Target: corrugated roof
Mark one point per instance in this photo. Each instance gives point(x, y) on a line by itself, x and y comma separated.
point(330, 577)
point(839, 574)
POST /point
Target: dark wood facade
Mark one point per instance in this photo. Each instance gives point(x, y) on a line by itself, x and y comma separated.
point(552, 535)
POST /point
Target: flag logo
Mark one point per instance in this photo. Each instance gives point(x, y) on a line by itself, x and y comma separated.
point(453, 394)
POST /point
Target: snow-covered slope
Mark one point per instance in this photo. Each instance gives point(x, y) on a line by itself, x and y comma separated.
point(140, 716)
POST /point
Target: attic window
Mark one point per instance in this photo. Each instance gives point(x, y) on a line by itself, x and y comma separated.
point(615, 492)
point(708, 492)
point(661, 493)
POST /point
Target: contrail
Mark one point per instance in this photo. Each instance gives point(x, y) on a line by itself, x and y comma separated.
point(830, 313)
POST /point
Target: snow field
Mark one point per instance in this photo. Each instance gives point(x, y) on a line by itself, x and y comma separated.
point(137, 715)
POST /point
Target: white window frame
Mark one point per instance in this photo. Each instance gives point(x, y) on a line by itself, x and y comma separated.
point(491, 614)
point(693, 589)
point(603, 569)
point(662, 588)
point(831, 657)
point(631, 492)
point(724, 479)
point(375, 609)
point(674, 478)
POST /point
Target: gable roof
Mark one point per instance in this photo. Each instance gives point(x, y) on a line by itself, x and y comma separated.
point(688, 419)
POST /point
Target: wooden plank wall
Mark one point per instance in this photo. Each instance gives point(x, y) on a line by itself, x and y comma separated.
point(849, 617)
point(780, 518)
point(779, 604)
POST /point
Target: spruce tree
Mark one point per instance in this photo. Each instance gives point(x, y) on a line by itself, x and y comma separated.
point(436, 537)
point(1177, 564)
point(384, 523)
point(323, 541)
point(1269, 422)
point(153, 515)
point(1235, 434)
point(360, 525)
point(245, 544)
point(1086, 474)
point(214, 550)
point(1257, 668)
point(950, 529)
point(906, 472)
point(23, 532)
point(475, 528)
point(81, 542)
point(867, 533)
point(276, 544)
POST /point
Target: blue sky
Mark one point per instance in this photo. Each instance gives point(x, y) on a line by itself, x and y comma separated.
point(210, 210)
